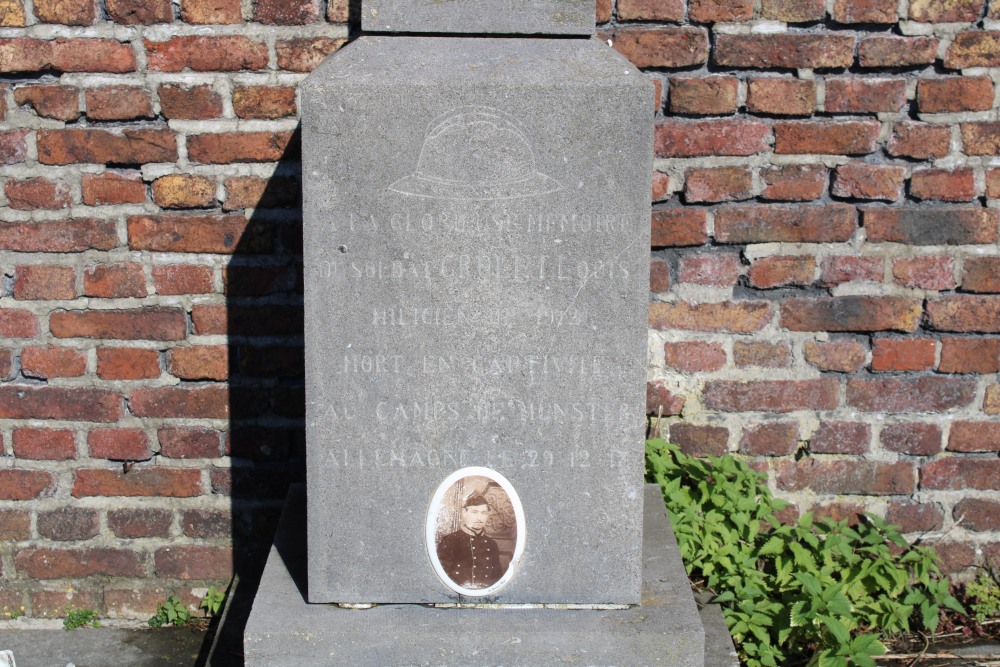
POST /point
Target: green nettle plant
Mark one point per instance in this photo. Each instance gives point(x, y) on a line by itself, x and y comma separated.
point(819, 592)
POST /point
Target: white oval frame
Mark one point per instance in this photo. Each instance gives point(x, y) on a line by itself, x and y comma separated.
point(430, 531)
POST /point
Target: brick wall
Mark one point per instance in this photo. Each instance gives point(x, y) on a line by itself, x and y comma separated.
point(824, 270)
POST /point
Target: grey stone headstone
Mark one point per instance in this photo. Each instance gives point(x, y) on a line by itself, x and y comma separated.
point(476, 255)
point(495, 17)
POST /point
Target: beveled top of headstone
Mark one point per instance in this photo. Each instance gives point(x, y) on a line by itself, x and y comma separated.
point(496, 17)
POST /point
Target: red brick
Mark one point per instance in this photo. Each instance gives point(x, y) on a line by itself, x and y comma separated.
point(133, 523)
point(43, 563)
point(706, 95)
point(44, 282)
point(840, 437)
point(699, 440)
point(210, 319)
point(903, 354)
point(712, 11)
point(254, 192)
point(718, 184)
point(919, 140)
point(219, 53)
point(44, 444)
point(119, 444)
point(662, 47)
point(15, 525)
point(65, 403)
point(865, 11)
point(154, 481)
point(170, 279)
point(189, 102)
point(12, 14)
point(184, 191)
point(867, 181)
point(141, 603)
point(211, 11)
point(286, 12)
point(960, 473)
point(716, 269)
point(854, 95)
point(973, 48)
point(115, 281)
point(826, 137)
point(931, 226)
point(781, 96)
point(762, 355)
point(771, 396)
point(19, 484)
point(119, 103)
point(991, 402)
point(968, 436)
point(337, 11)
point(194, 562)
point(50, 100)
point(848, 477)
point(770, 439)
point(113, 188)
point(52, 362)
point(839, 269)
point(659, 276)
point(993, 183)
point(993, 9)
point(955, 185)
point(6, 364)
point(36, 193)
point(793, 11)
point(152, 323)
point(955, 94)
point(661, 401)
point(970, 355)
point(978, 514)
point(981, 138)
point(851, 313)
point(189, 443)
point(841, 356)
point(264, 101)
point(229, 147)
point(199, 362)
point(206, 523)
point(17, 323)
point(69, 524)
point(672, 227)
point(931, 273)
point(914, 517)
point(677, 138)
point(140, 12)
point(305, 54)
point(66, 55)
point(893, 51)
point(58, 603)
point(694, 356)
point(13, 146)
point(965, 313)
point(661, 185)
point(782, 271)
point(67, 12)
point(212, 233)
point(122, 146)
point(794, 182)
point(200, 402)
point(125, 363)
point(650, 10)
point(906, 394)
point(785, 50)
point(792, 224)
point(839, 511)
point(945, 11)
point(982, 274)
point(730, 316)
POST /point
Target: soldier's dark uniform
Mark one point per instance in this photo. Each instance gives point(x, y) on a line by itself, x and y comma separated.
point(472, 561)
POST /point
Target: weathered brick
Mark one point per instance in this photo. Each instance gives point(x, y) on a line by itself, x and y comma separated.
point(651, 10)
point(16, 323)
point(200, 402)
point(199, 362)
point(20, 484)
point(717, 184)
point(139, 603)
point(194, 562)
point(113, 187)
point(705, 95)
point(152, 323)
point(970, 355)
point(903, 354)
point(661, 185)
point(993, 183)
point(909, 394)
point(212, 233)
point(6, 364)
point(851, 313)
point(44, 444)
point(969, 436)
point(50, 100)
point(13, 146)
point(52, 362)
point(184, 191)
point(36, 193)
point(15, 525)
point(847, 477)
point(211, 11)
point(961, 473)
point(839, 269)
point(662, 401)
point(122, 146)
point(981, 274)
point(23, 54)
point(58, 603)
point(119, 444)
point(45, 563)
point(44, 282)
point(771, 395)
point(141, 12)
point(210, 319)
point(979, 514)
point(893, 51)
point(255, 192)
point(189, 443)
point(126, 363)
point(957, 185)
point(306, 53)
point(770, 439)
point(154, 481)
point(717, 269)
point(865, 11)
point(778, 223)
point(114, 281)
point(919, 140)
point(694, 356)
point(264, 101)
point(66, 403)
point(206, 523)
point(731, 316)
point(133, 523)
point(793, 182)
point(761, 355)
point(793, 11)
point(286, 12)
point(677, 138)
point(931, 226)
point(981, 138)
point(856, 95)
point(826, 137)
point(218, 53)
point(914, 517)
point(955, 94)
point(945, 11)
point(119, 103)
point(926, 272)
point(841, 437)
point(69, 523)
point(965, 313)
point(674, 227)
point(868, 181)
point(781, 96)
point(67, 12)
point(12, 14)
point(700, 440)
point(914, 438)
point(662, 47)
point(198, 102)
point(712, 11)
point(171, 279)
point(782, 271)
point(841, 356)
point(785, 50)
point(229, 147)
point(659, 276)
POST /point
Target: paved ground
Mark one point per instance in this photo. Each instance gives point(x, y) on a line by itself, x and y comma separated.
point(104, 647)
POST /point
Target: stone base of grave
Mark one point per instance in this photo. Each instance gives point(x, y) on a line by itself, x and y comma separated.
point(666, 629)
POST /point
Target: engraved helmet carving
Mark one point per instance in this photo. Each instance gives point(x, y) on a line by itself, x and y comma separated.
point(475, 153)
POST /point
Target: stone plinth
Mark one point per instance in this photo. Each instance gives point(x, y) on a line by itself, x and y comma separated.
point(539, 17)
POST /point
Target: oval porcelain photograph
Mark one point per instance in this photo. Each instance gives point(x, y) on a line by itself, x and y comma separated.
point(475, 531)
